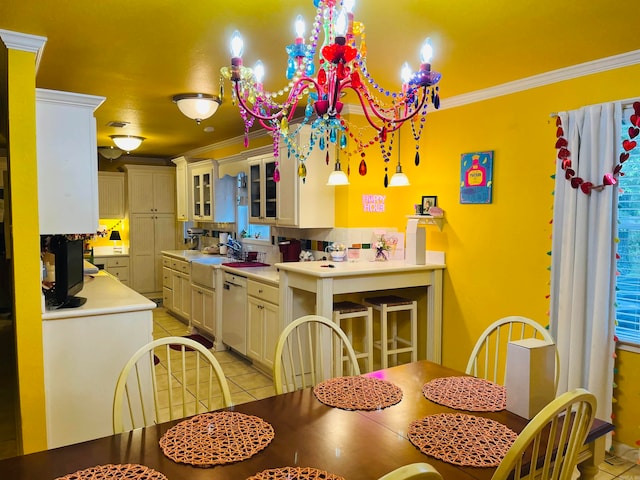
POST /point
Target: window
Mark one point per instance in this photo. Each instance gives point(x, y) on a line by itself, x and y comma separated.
point(628, 282)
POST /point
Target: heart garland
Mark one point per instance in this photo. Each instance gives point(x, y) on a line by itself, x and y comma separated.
point(564, 156)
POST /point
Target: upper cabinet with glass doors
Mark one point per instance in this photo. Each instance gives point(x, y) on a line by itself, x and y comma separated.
point(262, 189)
point(212, 198)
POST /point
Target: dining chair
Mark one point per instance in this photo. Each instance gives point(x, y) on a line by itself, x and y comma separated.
point(166, 379)
point(413, 471)
point(488, 357)
point(308, 352)
point(554, 437)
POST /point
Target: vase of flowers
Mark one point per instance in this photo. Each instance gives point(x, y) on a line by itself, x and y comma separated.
point(382, 249)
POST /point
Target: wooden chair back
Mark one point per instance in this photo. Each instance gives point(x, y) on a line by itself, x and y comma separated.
point(413, 471)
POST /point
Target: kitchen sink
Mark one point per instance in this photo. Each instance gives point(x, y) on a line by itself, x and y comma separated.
point(245, 264)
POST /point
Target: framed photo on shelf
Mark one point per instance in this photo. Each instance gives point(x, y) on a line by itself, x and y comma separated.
point(428, 201)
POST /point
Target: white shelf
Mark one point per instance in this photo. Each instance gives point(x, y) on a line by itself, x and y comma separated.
point(428, 220)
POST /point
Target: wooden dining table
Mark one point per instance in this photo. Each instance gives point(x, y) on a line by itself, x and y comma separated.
point(353, 444)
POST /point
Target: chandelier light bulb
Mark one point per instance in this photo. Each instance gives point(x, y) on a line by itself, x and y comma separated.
point(258, 71)
point(406, 73)
point(348, 5)
point(342, 22)
point(237, 45)
point(426, 52)
point(300, 27)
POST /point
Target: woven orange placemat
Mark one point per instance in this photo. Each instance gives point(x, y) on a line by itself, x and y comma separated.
point(466, 393)
point(294, 473)
point(462, 439)
point(127, 471)
point(357, 393)
point(216, 438)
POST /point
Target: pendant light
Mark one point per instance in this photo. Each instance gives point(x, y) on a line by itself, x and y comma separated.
point(399, 179)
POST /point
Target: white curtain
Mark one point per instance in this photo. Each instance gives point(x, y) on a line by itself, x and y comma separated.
point(582, 317)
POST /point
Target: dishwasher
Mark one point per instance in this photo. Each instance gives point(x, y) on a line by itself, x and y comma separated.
point(234, 312)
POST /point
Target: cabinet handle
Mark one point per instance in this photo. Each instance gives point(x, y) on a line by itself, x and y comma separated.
point(259, 290)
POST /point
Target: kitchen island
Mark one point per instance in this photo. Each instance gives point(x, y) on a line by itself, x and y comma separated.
point(326, 279)
point(84, 351)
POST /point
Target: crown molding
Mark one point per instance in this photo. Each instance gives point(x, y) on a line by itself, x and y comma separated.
point(543, 79)
point(535, 81)
point(25, 42)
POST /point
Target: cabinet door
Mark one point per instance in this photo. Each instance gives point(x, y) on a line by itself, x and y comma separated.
point(254, 328)
point(111, 194)
point(164, 238)
point(164, 192)
point(140, 192)
point(182, 185)
point(288, 193)
point(256, 194)
point(185, 292)
point(197, 306)
point(142, 254)
point(271, 329)
point(203, 309)
point(270, 191)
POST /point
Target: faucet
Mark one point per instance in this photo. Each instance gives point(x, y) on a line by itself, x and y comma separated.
point(235, 248)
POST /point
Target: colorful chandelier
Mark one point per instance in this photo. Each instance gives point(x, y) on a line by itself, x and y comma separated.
point(342, 66)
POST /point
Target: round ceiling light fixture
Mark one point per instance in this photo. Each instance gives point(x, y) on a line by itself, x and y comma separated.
point(197, 106)
point(110, 153)
point(127, 142)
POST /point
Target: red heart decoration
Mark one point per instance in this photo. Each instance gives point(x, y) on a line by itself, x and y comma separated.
point(629, 145)
point(563, 153)
point(636, 107)
point(576, 181)
point(586, 187)
point(624, 157)
point(635, 119)
point(609, 179)
point(559, 132)
point(349, 53)
point(633, 132)
point(330, 52)
point(562, 142)
point(566, 163)
point(558, 121)
point(569, 173)
point(617, 169)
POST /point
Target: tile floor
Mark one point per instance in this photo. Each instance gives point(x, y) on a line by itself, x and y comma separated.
point(246, 384)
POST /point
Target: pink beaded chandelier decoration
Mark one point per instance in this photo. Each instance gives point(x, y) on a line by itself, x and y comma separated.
point(341, 66)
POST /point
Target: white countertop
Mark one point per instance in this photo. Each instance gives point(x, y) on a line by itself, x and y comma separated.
point(361, 267)
point(105, 295)
point(268, 274)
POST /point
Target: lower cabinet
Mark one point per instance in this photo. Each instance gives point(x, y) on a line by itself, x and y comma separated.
point(118, 266)
point(203, 305)
point(263, 326)
point(176, 287)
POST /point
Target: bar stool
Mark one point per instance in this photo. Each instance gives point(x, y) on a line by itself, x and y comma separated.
point(392, 344)
point(343, 315)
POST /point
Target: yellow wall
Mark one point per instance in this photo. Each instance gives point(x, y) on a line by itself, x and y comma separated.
point(625, 410)
point(496, 254)
point(26, 248)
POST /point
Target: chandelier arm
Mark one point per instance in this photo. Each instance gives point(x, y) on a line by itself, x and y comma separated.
point(398, 121)
point(257, 115)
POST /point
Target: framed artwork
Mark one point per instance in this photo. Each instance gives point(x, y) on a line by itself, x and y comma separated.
point(428, 201)
point(476, 170)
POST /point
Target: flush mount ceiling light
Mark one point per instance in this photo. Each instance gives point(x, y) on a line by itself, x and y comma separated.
point(197, 106)
point(110, 153)
point(126, 142)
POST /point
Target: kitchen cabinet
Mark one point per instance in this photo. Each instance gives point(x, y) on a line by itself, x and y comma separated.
point(176, 286)
point(203, 305)
point(292, 202)
point(111, 194)
point(151, 189)
point(263, 327)
point(149, 235)
point(118, 266)
point(182, 189)
point(262, 189)
point(308, 204)
point(67, 162)
point(151, 197)
point(212, 198)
